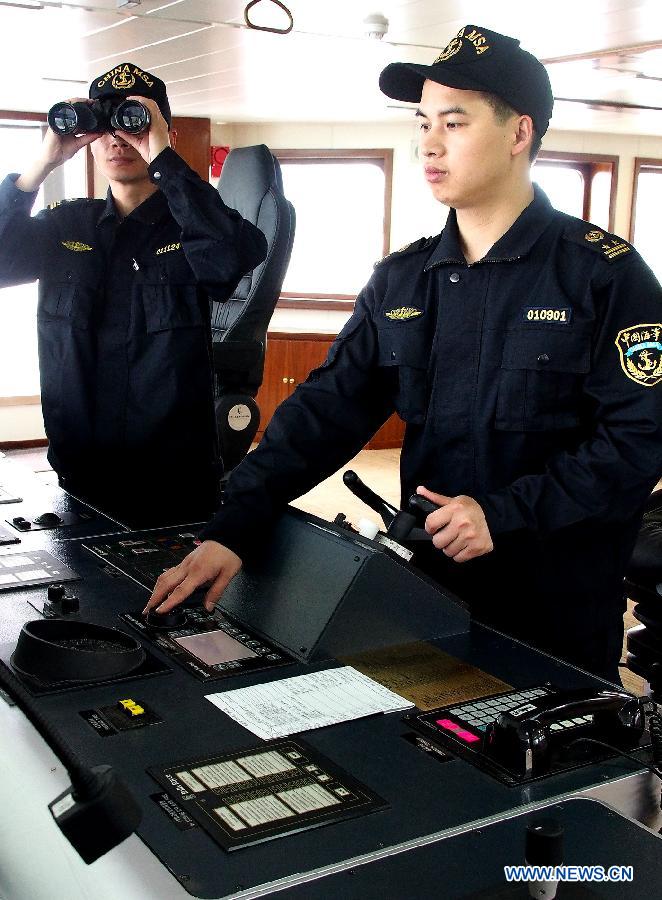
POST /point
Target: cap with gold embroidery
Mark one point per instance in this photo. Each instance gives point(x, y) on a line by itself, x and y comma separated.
point(480, 60)
point(127, 80)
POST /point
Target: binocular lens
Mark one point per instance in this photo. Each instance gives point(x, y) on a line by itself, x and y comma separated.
point(97, 116)
point(63, 118)
point(131, 116)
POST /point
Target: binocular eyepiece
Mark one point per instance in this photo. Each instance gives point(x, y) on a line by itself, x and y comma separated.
point(99, 116)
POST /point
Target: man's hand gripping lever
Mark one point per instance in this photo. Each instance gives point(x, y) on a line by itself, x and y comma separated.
point(403, 527)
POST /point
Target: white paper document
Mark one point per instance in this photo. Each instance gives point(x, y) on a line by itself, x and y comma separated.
point(307, 701)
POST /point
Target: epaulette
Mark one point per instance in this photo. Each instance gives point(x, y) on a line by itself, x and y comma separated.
point(608, 246)
point(72, 200)
point(414, 247)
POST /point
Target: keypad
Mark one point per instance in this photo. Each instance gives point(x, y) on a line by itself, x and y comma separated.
point(468, 722)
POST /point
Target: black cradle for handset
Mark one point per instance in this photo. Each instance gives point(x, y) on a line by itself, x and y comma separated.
point(532, 739)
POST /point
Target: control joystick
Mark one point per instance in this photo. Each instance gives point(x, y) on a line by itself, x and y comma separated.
point(176, 618)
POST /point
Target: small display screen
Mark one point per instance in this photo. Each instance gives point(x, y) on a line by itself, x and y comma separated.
point(214, 647)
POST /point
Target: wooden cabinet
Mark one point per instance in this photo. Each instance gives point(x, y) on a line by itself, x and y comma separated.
point(289, 360)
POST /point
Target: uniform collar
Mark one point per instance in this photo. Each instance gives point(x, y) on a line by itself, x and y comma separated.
point(149, 211)
point(516, 242)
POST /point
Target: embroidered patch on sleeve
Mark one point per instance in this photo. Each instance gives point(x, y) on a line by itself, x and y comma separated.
point(403, 313)
point(640, 350)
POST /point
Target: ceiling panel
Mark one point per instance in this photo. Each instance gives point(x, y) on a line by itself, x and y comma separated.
point(327, 69)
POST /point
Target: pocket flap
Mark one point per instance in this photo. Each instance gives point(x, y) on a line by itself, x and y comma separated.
point(547, 350)
point(402, 346)
point(168, 306)
point(58, 300)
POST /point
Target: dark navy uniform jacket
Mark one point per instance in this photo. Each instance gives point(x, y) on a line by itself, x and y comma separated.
point(528, 380)
point(124, 338)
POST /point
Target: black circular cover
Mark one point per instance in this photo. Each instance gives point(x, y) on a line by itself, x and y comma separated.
point(57, 650)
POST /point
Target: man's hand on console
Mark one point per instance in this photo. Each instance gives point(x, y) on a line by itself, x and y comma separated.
point(459, 527)
point(211, 563)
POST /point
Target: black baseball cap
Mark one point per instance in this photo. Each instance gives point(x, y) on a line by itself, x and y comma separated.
point(478, 59)
point(126, 80)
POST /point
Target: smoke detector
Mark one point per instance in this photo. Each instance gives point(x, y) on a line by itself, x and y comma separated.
point(375, 26)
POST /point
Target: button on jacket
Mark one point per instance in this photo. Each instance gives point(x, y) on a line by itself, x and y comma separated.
point(527, 380)
point(124, 337)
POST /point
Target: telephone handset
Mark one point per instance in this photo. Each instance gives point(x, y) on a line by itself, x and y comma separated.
point(533, 737)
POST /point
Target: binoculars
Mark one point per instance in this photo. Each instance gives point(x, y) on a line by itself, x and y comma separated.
point(99, 116)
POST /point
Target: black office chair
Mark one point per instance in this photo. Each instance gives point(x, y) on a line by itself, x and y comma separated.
point(250, 183)
point(643, 584)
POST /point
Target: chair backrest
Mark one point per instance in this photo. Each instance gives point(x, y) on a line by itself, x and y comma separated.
point(251, 183)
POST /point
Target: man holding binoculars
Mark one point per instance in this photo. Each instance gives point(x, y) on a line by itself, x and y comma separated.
point(123, 316)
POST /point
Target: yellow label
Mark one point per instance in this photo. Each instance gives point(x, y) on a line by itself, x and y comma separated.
point(168, 249)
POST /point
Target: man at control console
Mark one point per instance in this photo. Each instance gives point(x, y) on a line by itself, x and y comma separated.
point(523, 349)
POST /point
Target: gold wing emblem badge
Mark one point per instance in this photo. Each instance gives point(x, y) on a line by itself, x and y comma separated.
point(403, 313)
point(76, 246)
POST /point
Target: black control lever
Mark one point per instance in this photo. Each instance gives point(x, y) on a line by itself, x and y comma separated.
point(369, 497)
point(420, 504)
point(401, 525)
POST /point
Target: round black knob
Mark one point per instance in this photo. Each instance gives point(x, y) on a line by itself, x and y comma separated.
point(70, 604)
point(55, 593)
point(544, 843)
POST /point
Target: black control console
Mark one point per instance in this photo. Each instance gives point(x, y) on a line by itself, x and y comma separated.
point(224, 812)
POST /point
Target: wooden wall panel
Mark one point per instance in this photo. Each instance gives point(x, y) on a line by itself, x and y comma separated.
point(193, 142)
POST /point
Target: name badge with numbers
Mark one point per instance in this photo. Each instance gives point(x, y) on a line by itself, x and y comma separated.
point(560, 316)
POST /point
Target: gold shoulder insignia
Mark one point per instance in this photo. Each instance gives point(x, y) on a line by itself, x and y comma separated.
point(412, 247)
point(609, 246)
point(76, 246)
point(640, 350)
point(403, 313)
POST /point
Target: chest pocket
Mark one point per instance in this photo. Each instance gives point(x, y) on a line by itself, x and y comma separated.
point(540, 379)
point(170, 297)
point(403, 358)
point(67, 303)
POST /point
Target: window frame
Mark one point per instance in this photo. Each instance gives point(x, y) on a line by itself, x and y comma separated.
point(641, 163)
point(382, 157)
point(589, 164)
point(19, 116)
point(22, 116)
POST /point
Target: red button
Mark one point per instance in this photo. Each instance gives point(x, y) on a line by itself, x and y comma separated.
point(467, 736)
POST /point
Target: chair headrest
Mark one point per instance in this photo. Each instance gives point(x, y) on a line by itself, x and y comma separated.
point(248, 175)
